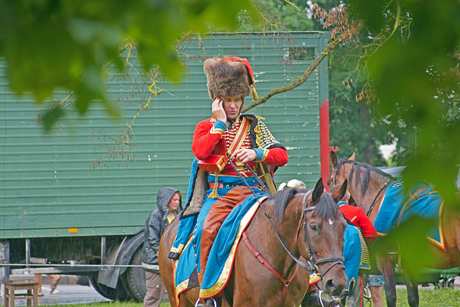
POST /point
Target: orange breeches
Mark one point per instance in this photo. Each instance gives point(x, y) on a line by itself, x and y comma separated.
point(215, 218)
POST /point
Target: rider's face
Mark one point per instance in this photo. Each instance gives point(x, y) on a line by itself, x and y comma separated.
point(232, 106)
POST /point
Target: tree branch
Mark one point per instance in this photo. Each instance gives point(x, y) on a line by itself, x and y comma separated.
point(331, 46)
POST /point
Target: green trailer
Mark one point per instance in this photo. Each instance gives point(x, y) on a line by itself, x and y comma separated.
point(74, 201)
point(438, 278)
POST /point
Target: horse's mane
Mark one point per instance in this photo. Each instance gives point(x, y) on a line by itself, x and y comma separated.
point(326, 208)
point(358, 166)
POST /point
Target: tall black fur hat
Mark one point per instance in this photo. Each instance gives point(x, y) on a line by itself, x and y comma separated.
point(229, 76)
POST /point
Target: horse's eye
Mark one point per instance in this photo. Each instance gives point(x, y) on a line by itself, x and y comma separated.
point(314, 227)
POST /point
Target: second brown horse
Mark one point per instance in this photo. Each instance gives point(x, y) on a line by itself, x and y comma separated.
point(367, 188)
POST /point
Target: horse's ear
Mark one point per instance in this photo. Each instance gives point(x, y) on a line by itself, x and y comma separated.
point(351, 200)
point(333, 158)
point(353, 157)
point(338, 194)
point(318, 191)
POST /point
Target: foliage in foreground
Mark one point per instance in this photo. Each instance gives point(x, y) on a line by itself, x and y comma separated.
point(49, 45)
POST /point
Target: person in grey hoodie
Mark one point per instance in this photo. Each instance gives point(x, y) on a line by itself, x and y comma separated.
point(169, 205)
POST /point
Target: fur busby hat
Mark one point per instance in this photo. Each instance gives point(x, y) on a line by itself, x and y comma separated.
point(229, 76)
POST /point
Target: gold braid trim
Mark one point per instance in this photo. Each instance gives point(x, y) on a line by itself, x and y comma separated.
point(214, 193)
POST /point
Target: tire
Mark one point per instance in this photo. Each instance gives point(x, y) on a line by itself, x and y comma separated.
point(134, 277)
point(93, 281)
point(118, 294)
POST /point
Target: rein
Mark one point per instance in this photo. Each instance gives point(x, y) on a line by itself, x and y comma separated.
point(374, 202)
point(264, 187)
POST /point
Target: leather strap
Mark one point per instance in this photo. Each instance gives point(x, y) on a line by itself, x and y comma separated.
point(268, 177)
point(267, 265)
point(383, 187)
point(223, 185)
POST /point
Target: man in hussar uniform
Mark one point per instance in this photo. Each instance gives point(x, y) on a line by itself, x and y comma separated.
point(227, 146)
point(227, 135)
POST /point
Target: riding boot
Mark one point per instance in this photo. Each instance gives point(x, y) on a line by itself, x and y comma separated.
point(312, 299)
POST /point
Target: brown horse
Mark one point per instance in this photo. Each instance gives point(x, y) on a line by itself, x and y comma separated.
point(366, 189)
point(305, 221)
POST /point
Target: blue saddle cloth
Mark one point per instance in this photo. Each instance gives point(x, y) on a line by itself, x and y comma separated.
point(223, 250)
point(394, 209)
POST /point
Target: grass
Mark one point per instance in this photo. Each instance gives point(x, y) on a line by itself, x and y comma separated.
point(431, 298)
point(428, 298)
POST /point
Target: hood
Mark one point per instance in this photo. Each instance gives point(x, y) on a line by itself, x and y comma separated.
point(164, 195)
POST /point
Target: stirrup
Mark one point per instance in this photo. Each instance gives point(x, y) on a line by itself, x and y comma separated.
point(314, 298)
point(332, 302)
point(211, 302)
point(199, 305)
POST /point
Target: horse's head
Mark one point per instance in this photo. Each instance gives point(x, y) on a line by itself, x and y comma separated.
point(323, 232)
point(337, 176)
point(365, 182)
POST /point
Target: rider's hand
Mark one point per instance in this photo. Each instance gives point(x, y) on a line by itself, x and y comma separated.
point(218, 110)
point(244, 155)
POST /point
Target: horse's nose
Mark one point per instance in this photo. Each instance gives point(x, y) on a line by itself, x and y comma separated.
point(333, 288)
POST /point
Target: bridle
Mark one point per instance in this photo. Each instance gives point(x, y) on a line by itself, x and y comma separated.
point(333, 178)
point(311, 252)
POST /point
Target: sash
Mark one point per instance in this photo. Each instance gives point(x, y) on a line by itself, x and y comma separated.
point(239, 137)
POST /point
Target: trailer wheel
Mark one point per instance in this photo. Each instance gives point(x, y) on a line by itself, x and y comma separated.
point(134, 277)
point(118, 294)
point(93, 281)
